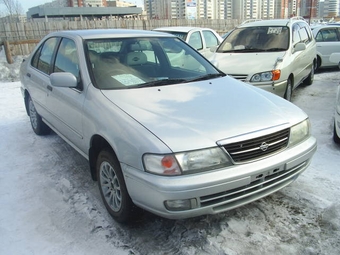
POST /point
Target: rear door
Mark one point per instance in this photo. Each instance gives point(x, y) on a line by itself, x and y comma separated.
point(328, 42)
point(37, 74)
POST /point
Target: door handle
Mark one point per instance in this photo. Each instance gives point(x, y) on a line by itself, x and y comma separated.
point(49, 88)
point(28, 75)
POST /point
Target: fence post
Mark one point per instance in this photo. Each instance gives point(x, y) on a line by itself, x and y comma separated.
point(8, 53)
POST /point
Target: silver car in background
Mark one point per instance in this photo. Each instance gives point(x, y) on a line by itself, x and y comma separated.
point(327, 38)
point(335, 59)
point(178, 141)
point(202, 39)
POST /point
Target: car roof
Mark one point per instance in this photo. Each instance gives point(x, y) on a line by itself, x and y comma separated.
point(272, 22)
point(318, 26)
point(179, 29)
point(109, 33)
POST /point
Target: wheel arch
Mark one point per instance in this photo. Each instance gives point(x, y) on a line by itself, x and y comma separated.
point(98, 143)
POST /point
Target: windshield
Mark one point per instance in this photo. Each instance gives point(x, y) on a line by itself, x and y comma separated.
point(256, 39)
point(125, 63)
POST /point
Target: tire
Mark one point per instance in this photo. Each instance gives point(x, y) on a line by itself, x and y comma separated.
point(289, 90)
point(318, 64)
point(309, 80)
point(336, 138)
point(38, 126)
point(113, 189)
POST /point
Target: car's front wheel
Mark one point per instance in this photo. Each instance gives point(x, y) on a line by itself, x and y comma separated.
point(113, 189)
point(38, 126)
point(336, 137)
point(289, 90)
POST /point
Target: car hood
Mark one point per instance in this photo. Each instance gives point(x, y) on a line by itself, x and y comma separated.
point(246, 63)
point(198, 114)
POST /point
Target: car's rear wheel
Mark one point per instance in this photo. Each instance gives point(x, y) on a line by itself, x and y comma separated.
point(113, 189)
point(289, 90)
point(38, 126)
point(336, 138)
point(309, 80)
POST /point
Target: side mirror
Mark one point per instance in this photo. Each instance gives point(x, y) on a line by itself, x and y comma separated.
point(63, 80)
point(299, 47)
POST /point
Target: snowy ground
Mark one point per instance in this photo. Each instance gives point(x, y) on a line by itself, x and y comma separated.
point(50, 205)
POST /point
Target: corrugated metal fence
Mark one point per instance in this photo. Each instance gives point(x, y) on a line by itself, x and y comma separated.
point(21, 38)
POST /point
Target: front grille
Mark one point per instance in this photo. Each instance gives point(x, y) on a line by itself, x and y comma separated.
point(241, 77)
point(257, 189)
point(258, 147)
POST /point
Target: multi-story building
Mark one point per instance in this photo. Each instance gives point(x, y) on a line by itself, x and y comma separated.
point(89, 3)
point(237, 9)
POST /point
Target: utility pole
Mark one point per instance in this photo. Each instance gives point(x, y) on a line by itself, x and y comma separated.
point(310, 10)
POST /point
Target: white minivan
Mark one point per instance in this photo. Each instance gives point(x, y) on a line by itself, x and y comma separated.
point(275, 55)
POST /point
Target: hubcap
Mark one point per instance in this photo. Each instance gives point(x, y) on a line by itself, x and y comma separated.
point(110, 186)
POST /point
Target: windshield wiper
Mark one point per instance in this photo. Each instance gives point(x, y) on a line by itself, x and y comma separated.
point(207, 77)
point(276, 49)
point(242, 50)
point(161, 82)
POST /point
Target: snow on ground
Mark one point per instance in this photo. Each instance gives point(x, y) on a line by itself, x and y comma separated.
point(50, 205)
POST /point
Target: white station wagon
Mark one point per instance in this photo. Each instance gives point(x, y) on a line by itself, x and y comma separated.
point(275, 55)
point(178, 142)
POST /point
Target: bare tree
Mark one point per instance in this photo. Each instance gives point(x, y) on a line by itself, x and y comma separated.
point(13, 7)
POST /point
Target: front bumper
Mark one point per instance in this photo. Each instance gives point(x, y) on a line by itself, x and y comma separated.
point(278, 88)
point(218, 191)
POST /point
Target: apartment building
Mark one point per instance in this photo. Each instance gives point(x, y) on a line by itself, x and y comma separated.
point(89, 3)
point(331, 8)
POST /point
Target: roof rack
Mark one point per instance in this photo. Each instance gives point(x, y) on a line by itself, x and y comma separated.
point(250, 20)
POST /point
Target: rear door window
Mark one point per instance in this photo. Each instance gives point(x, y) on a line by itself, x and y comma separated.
point(42, 59)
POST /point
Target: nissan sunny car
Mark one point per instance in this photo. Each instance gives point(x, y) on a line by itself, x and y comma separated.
point(177, 141)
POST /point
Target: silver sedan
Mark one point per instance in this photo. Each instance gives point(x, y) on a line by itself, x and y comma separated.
point(162, 128)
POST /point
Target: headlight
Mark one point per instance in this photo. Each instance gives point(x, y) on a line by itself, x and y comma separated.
point(266, 76)
point(299, 132)
point(186, 162)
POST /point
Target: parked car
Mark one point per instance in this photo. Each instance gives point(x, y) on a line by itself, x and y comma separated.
point(202, 39)
point(275, 55)
point(327, 38)
point(335, 58)
point(175, 141)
